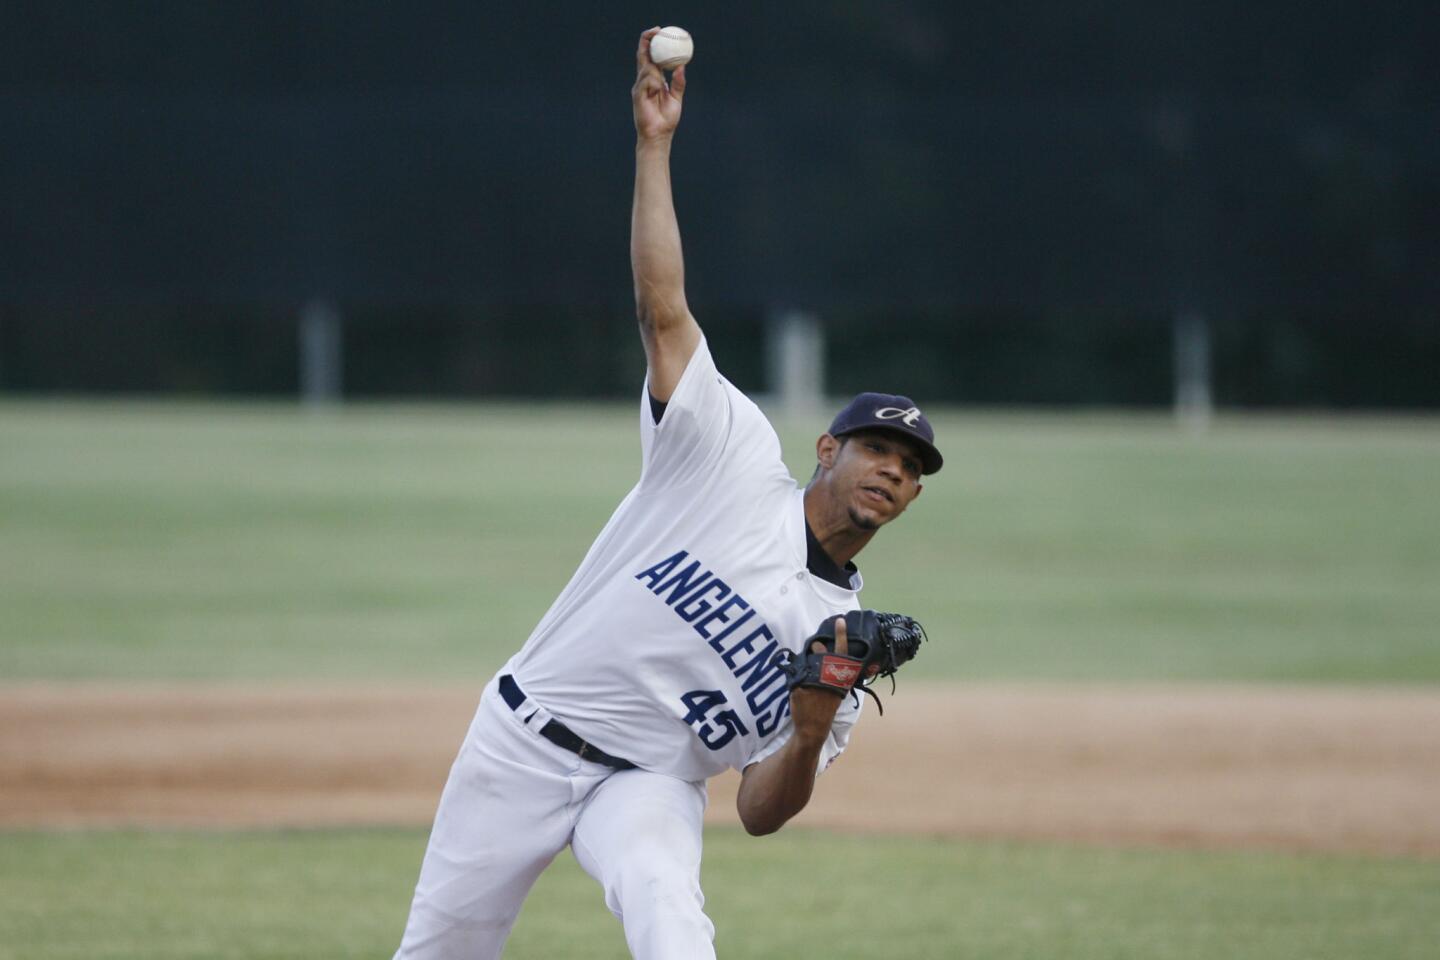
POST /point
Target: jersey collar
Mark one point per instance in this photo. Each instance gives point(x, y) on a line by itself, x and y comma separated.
point(819, 563)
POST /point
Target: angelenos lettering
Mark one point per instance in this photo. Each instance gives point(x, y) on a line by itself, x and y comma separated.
point(728, 624)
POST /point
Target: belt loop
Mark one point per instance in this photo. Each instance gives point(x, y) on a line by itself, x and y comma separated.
point(510, 692)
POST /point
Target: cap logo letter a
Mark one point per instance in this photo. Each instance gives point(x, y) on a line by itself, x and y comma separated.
point(907, 417)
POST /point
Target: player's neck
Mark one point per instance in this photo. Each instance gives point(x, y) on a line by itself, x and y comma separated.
point(832, 526)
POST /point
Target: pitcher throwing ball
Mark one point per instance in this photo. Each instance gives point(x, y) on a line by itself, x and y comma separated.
point(706, 628)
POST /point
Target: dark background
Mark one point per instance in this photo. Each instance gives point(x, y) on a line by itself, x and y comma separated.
point(984, 205)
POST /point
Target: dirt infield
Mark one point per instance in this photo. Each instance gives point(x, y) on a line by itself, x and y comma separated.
point(1300, 769)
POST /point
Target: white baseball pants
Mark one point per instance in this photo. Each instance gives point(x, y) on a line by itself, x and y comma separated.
point(513, 801)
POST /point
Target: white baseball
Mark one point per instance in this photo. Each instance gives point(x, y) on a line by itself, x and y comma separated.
point(671, 48)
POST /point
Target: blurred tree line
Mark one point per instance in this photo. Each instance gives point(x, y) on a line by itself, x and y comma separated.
point(984, 204)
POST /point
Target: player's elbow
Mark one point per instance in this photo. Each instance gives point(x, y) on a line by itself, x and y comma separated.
point(758, 825)
point(658, 316)
point(763, 816)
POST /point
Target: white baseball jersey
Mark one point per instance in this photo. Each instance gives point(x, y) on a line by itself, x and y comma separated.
point(660, 648)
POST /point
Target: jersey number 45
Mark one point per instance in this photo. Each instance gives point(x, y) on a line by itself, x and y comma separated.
point(714, 731)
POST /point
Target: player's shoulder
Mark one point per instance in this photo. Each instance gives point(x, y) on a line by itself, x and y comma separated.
point(710, 430)
point(749, 418)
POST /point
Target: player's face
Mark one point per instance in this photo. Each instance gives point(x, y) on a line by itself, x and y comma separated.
point(877, 475)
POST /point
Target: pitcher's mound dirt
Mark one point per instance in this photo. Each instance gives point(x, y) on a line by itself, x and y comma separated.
point(1288, 768)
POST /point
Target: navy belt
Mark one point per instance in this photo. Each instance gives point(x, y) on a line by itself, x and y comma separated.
point(559, 734)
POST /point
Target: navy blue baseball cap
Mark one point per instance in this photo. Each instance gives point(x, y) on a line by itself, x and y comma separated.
point(895, 413)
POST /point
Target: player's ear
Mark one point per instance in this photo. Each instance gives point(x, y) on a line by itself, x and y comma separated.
point(825, 449)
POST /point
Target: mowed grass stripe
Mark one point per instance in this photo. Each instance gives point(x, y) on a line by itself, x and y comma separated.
point(344, 894)
point(170, 540)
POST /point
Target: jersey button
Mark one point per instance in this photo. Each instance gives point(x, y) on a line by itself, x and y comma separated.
point(800, 575)
point(784, 589)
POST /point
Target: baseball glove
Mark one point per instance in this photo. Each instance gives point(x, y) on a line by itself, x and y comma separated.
point(879, 643)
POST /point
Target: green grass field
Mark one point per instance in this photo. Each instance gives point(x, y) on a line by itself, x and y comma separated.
point(257, 541)
point(323, 895)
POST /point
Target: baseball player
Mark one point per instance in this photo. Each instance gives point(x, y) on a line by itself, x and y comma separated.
point(656, 667)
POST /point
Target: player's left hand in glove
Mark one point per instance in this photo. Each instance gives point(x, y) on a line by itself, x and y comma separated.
point(878, 645)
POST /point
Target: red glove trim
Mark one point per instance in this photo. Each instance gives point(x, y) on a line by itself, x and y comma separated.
point(840, 672)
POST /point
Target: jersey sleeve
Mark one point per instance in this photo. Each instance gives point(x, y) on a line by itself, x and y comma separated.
point(705, 426)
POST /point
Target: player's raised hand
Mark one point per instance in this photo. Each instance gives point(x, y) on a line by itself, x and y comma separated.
point(656, 103)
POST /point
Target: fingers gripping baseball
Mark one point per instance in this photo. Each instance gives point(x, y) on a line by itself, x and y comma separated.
point(656, 103)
